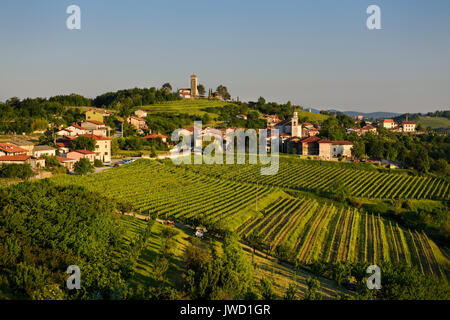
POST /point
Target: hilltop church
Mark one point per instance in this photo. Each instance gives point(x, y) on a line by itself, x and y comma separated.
point(187, 93)
point(290, 127)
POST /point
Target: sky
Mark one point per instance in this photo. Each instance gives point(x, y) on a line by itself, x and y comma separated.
point(314, 53)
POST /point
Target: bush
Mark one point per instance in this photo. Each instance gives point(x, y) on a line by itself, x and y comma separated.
point(83, 166)
point(98, 163)
point(21, 171)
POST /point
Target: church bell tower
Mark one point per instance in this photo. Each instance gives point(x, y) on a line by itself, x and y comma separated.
point(194, 84)
point(296, 129)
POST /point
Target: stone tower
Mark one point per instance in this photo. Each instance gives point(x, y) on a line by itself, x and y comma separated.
point(296, 129)
point(194, 84)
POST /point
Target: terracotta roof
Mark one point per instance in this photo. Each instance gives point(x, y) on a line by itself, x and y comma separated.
point(408, 122)
point(388, 120)
point(76, 125)
point(84, 151)
point(62, 159)
point(310, 139)
point(335, 142)
point(65, 129)
point(284, 123)
point(274, 116)
point(369, 127)
point(11, 148)
point(15, 158)
point(96, 122)
point(95, 137)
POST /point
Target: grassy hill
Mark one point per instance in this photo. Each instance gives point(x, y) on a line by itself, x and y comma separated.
point(434, 122)
point(194, 106)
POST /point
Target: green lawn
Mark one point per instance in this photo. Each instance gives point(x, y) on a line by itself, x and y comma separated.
point(434, 122)
point(185, 106)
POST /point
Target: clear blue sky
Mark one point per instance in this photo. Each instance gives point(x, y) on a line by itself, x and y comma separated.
point(312, 52)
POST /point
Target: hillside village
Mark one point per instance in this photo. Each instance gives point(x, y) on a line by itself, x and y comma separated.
point(295, 137)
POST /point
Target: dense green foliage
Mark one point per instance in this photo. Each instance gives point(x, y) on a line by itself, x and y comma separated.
point(45, 228)
point(84, 143)
point(21, 171)
point(83, 166)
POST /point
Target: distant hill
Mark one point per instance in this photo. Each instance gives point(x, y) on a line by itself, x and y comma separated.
point(370, 115)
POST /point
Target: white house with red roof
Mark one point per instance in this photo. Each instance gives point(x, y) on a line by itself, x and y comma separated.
point(388, 123)
point(9, 149)
point(80, 154)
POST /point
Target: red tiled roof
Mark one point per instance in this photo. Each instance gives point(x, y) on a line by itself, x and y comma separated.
point(96, 122)
point(76, 125)
point(62, 159)
point(310, 139)
point(335, 142)
point(15, 158)
point(409, 122)
point(284, 122)
point(11, 148)
point(388, 120)
point(68, 130)
point(95, 137)
point(84, 151)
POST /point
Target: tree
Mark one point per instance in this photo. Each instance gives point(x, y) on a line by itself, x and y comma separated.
point(21, 171)
point(358, 149)
point(419, 127)
point(223, 91)
point(291, 292)
point(266, 289)
point(313, 286)
point(201, 89)
point(84, 143)
point(83, 166)
point(167, 87)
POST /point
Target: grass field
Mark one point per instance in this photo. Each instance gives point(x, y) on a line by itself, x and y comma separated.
point(434, 122)
point(193, 106)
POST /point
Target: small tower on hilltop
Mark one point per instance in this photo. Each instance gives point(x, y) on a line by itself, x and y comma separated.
point(194, 84)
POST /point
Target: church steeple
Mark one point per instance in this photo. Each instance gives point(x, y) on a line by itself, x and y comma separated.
point(296, 129)
point(295, 114)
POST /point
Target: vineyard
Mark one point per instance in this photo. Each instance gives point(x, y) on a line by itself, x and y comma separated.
point(313, 175)
point(311, 232)
point(154, 187)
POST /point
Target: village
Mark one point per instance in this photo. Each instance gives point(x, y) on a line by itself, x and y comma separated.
point(295, 137)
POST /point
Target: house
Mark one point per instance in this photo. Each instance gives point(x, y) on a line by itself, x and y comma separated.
point(64, 146)
point(24, 144)
point(185, 93)
point(75, 127)
point(80, 154)
point(39, 151)
point(368, 128)
point(409, 126)
point(216, 95)
point(156, 136)
point(388, 123)
point(65, 132)
point(137, 123)
point(73, 130)
point(9, 149)
point(334, 149)
point(140, 113)
point(94, 127)
point(241, 116)
point(102, 147)
point(22, 159)
point(69, 163)
point(310, 146)
point(97, 114)
point(271, 119)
